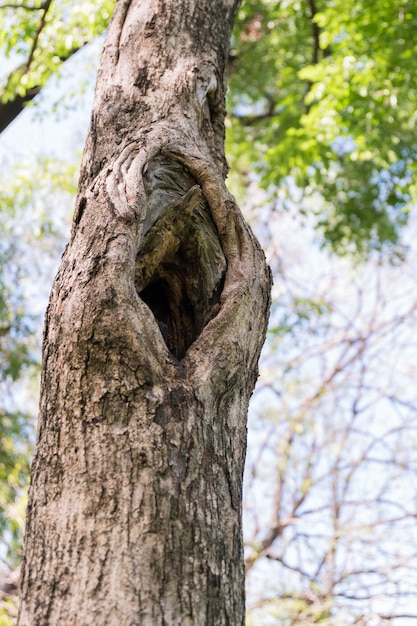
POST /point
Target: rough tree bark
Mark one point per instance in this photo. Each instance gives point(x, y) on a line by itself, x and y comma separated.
point(153, 333)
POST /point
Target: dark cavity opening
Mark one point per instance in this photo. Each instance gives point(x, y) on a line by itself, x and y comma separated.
point(175, 314)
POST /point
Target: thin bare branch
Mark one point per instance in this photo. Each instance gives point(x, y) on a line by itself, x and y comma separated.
point(26, 7)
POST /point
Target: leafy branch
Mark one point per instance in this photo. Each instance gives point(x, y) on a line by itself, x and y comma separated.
point(45, 8)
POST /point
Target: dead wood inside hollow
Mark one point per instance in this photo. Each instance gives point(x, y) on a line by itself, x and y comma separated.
point(180, 265)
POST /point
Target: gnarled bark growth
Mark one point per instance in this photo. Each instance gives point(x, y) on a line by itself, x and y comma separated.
point(153, 333)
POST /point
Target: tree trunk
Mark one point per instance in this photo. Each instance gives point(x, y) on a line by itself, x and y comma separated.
point(152, 337)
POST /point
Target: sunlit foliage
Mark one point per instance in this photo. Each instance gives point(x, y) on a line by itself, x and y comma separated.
point(324, 94)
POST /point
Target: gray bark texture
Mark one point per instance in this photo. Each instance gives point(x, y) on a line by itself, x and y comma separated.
point(152, 337)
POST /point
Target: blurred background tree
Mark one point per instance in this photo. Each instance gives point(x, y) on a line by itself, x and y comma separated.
point(321, 139)
point(330, 493)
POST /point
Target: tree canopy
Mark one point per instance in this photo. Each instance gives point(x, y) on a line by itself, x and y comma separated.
point(323, 94)
point(38, 37)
